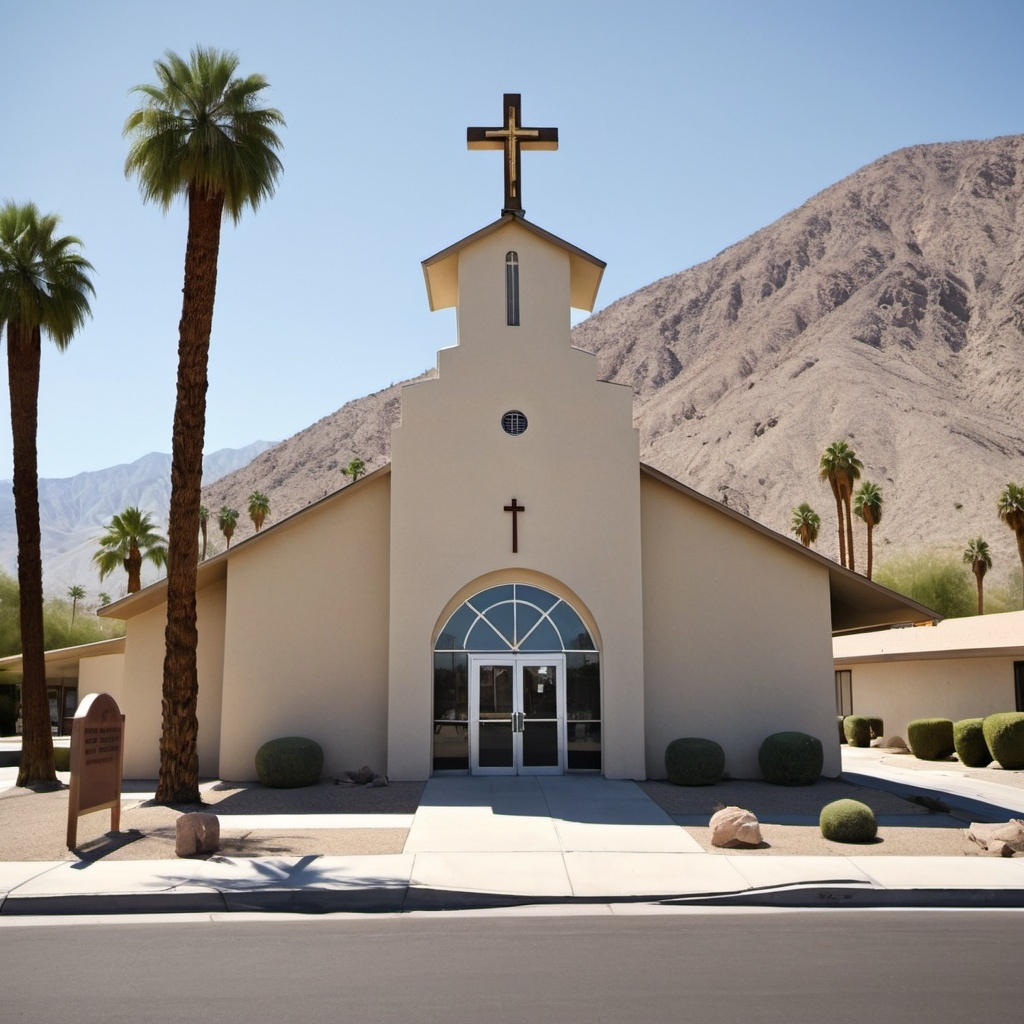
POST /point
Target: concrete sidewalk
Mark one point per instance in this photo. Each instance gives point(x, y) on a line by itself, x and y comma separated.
point(494, 842)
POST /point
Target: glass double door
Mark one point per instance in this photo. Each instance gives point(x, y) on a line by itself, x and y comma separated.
point(517, 714)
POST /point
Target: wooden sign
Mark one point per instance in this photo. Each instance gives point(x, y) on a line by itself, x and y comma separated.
point(97, 759)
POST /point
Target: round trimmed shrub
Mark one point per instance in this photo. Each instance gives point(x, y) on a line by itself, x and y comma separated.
point(876, 727)
point(692, 761)
point(791, 759)
point(1004, 734)
point(289, 762)
point(848, 821)
point(931, 739)
point(858, 730)
point(969, 740)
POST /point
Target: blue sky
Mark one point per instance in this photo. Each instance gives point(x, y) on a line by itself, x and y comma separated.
point(684, 127)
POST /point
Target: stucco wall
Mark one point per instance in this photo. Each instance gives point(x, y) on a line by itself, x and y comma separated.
point(103, 674)
point(954, 688)
point(306, 635)
point(737, 635)
point(575, 469)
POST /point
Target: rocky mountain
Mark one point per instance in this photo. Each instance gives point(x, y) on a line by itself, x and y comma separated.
point(73, 511)
point(887, 311)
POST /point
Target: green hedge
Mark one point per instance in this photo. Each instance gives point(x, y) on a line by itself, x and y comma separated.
point(848, 821)
point(1004, 734)
point(791, 759)
point(692, 761)
point(969, 740)
point(289, 762)
point(931, 739)
point(858, 730)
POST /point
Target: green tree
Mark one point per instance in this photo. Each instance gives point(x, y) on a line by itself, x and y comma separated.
point(355, 469)
point(1011, 511)
point(227, 519)
point(840, 466)
point(131, 538)
point(204, 516)
point(200, 134)
point(259, 509)
point(979, 558)
point(104, 598)
point(805, 524)
point(76, 593)
point(44, 289)
point(867, 504)
point(937, 579)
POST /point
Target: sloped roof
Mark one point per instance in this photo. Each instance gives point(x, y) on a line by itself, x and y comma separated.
point(115, 645)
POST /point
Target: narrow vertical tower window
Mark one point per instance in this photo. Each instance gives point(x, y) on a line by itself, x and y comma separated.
point(512, 289)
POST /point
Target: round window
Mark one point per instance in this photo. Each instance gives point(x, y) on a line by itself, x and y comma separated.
point(513, 423)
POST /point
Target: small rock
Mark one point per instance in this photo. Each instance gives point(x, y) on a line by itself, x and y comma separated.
point(362, 776)
point(1001, 839)
point(734, 826)
point(896, 743)
point(195, 833)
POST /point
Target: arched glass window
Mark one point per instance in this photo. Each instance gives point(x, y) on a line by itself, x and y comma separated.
point(512, 288)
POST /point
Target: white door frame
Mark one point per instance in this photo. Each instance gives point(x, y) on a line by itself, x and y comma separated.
point(518, 662)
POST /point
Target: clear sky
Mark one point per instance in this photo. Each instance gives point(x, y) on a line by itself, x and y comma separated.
point(684, 127)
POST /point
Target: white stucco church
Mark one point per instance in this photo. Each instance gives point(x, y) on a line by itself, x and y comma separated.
point(516, 592)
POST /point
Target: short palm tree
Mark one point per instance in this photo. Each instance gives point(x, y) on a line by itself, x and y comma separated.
point(355, 469)
point(44, 289)
point(131, 539)
point(867, 504)
point(259, 508)
point(840, 466)
point(805, 524)
point(204, 516)
point(1011, 511)
point(200, 134)
point(227, 519)
point(76, 593)
point(979, 558)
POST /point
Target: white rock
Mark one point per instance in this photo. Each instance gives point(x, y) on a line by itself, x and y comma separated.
point(733, 825)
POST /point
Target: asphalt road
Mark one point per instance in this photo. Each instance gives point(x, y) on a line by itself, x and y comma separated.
point(594, 968)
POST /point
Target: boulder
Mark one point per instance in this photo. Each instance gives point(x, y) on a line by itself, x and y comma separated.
point(733, 826)
point(896, 743)
point(196, 833)
point(1001, 839)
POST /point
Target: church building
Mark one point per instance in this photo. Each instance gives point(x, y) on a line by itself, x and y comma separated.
point(516, 592)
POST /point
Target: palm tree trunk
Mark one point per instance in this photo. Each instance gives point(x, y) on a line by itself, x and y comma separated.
point(980, 577)
point(23, 358)
point(133, 565)
point(871, 529)
point(179, 755)
point(839, 518)
point(849, 527)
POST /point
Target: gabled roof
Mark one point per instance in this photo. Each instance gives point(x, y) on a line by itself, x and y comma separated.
point(441, 270)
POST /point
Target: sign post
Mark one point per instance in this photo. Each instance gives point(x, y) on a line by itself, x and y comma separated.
point(97, 760)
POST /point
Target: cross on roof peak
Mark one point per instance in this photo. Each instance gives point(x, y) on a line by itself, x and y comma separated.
point(512, 137)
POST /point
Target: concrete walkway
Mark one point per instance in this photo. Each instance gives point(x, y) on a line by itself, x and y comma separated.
point(492, 842)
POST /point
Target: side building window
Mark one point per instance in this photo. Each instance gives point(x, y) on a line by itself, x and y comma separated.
point(844, 692)
point(512, 289)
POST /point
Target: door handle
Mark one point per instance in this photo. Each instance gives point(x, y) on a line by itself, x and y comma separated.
point(518, 721)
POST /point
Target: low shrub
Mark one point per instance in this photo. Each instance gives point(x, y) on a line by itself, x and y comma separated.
point(931, 739)
point(692, 761)
point(791, 759)
point(1004, 734)
point(858, 730)
point(876, 727)
point(848, 821)
point(969, 740)
point(289, 762)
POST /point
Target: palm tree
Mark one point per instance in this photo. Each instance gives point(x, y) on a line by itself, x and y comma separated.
point(227, 518)
point(259, 508)
point(204, 515)
point(76, 593)
point(979, 558)
point(104, 598)
point(44, 289)
point(202, 135)
point(131, 538)
point(805, 524)
point(840, 466)
point(355, 469)
point(1011, 510)
point(867, 504)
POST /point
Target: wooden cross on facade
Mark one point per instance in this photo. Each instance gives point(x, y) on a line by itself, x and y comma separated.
point(512, 138)
point(515, 508)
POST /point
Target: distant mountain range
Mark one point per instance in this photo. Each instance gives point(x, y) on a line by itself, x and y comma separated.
point(74, 510)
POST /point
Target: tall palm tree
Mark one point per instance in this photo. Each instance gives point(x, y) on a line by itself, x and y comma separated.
point(200, 134)
point(1011, 510)
point(44, 289)
point(840, 466)
point(979, 558)
point(805, 524)
point(204, 516)
point(131, 538)
point(227, 519)
point(76, 593)
point(259, 508)
point(355, 469)
point(867, 504)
